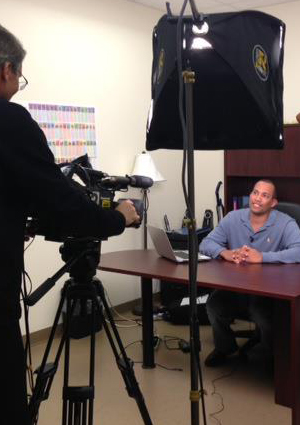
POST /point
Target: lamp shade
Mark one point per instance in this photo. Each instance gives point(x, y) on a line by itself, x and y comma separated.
point(144, 166)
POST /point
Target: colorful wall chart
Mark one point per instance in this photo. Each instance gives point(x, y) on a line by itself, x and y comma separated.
point(70, 130)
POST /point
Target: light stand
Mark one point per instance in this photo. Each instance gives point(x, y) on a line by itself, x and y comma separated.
point(144, 166)
point(196, 374)
point(187, 123)
point(238, 104)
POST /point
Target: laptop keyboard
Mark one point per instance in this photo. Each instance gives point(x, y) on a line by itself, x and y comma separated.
point(182, 254)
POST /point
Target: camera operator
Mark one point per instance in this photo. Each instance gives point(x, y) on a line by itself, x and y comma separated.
point(31, 182)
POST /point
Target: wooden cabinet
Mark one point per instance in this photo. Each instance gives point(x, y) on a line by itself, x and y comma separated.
point(242, 168)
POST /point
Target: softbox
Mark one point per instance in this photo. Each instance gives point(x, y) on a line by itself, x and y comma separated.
point(237, 96)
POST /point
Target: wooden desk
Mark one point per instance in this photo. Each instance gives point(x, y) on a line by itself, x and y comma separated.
point(279, 281)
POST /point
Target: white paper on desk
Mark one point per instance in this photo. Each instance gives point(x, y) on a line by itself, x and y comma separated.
point(200, 300)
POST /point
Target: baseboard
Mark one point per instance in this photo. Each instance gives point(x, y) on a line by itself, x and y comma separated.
point(43, 334)
point(128, 306)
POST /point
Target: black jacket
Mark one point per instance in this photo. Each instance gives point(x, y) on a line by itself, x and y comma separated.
point(31, 183)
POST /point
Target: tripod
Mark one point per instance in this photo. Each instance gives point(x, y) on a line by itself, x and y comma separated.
point(82, 258)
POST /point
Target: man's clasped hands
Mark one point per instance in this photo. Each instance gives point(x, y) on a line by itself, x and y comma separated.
point(245, 254)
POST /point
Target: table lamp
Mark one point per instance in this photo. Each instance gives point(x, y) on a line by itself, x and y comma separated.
point(144, 166)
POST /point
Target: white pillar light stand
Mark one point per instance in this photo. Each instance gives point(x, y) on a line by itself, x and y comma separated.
point(144, 166)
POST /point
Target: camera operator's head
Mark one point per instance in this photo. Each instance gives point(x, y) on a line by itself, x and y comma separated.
point(11, 58)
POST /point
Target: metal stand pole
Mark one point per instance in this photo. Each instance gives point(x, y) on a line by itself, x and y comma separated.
point(145, 206)
point(189, 79)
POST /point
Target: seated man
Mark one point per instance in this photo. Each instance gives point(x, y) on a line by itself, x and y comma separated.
point(258, 234)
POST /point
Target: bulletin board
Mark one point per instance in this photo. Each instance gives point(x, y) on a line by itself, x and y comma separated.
point(70, 130)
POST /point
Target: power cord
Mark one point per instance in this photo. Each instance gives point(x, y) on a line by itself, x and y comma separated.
point(215, 392)
point(156, 341)
point(182, 344)
point(124, 318)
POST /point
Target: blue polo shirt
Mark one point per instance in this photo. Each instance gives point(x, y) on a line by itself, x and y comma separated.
point(278, 240)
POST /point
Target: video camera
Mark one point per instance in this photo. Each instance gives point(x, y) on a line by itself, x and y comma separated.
point(99, 187)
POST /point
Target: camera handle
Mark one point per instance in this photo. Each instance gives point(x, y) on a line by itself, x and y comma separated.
point(50, 282)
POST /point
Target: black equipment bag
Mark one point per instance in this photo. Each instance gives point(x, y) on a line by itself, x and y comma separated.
point(180, 314)
point(172, 293)
point(180, 240)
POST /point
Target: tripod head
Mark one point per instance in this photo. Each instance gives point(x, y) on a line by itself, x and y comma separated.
point(88, 253)
point(81, 257)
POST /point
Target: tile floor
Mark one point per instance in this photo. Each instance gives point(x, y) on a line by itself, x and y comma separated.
point(245, 389)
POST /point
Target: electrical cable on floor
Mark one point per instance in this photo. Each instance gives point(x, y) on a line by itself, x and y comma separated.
point(182, 344)
point(127, 319)
point(132, 343)
point(172, 369)
point(137, 322)
point(156, 345)
point(125, 326)
point(215, 392)
point(167, 339)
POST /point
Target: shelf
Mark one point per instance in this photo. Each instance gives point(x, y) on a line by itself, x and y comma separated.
point(242, 168)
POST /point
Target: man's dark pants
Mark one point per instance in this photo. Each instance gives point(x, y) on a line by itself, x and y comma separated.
point(13, 396)
point(224, 306)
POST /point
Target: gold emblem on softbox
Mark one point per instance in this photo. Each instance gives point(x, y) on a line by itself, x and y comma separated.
point(261, 63)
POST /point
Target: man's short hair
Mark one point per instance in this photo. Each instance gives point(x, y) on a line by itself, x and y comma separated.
point(11, 49)
point(269, 182)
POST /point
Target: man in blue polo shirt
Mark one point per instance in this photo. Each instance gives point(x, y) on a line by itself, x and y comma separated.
point(258, 234)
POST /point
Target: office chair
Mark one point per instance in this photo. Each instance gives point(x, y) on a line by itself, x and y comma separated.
point(293, 210)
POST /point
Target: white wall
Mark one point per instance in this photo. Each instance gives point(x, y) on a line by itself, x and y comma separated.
point(99, 52)
point(289, 13)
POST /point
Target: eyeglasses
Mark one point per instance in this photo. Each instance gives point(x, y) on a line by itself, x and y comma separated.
point(22, 82)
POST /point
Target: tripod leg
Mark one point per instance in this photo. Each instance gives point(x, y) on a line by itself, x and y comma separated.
point(78, 401)
point(125, 365)
point(46, 371)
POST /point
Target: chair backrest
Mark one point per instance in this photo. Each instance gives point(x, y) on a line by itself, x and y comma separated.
point(291, 209)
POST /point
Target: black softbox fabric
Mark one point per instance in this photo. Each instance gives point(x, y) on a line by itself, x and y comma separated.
point(239, 85)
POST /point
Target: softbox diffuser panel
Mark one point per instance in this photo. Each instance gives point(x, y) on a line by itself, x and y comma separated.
point(237, 96)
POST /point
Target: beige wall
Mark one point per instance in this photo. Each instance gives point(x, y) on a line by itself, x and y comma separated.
point(96, 52)
point(99, 52)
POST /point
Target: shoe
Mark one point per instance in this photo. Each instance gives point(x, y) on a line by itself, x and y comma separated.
point(215, 358)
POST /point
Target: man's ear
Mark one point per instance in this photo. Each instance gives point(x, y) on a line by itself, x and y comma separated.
point(274, 202)
point(5, 71)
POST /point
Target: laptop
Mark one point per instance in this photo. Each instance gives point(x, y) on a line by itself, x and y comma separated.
point(164, 248)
